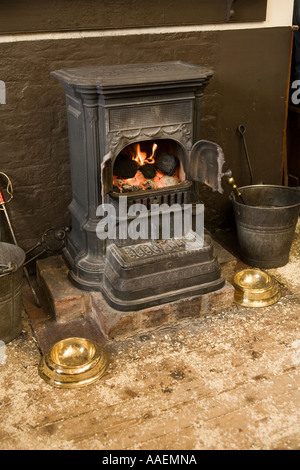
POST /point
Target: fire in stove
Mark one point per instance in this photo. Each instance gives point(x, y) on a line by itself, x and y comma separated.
point(146, 165)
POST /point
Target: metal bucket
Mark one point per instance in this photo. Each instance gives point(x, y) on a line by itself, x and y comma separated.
point(266, 223)
point(11, 273)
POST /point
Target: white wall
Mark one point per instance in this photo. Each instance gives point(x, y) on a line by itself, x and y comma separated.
point(280, 12)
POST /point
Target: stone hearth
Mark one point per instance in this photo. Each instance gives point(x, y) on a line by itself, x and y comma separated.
point(69, 311)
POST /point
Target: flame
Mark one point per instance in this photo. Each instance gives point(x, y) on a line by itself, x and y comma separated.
point(151, 159)
point(141, 157)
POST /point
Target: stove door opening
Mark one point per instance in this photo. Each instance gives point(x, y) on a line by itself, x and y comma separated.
point(148, 165)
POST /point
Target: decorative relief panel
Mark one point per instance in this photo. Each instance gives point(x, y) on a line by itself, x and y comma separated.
point(147, 250)
point(181, 132)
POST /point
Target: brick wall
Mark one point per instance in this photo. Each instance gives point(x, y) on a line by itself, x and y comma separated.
point(249, 87)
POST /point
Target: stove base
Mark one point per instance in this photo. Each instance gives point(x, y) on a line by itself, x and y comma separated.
point(152, 273)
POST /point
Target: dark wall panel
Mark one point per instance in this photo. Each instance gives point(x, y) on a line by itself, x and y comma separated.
point(70, 15)
point(251, 75)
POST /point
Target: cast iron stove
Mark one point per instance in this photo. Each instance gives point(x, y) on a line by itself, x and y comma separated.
point(138, 114)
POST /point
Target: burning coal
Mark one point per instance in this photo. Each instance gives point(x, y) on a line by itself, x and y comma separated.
point(137, 170)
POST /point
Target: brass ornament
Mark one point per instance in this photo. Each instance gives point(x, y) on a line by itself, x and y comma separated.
point(73, 362)
point(255, 288)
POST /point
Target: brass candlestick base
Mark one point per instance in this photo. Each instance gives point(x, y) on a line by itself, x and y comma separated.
point(255, 288)
point(73, 362)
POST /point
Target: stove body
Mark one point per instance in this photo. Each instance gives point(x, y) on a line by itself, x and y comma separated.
point(109, 109)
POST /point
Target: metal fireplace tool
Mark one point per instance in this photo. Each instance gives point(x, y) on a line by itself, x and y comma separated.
point(52, 240)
